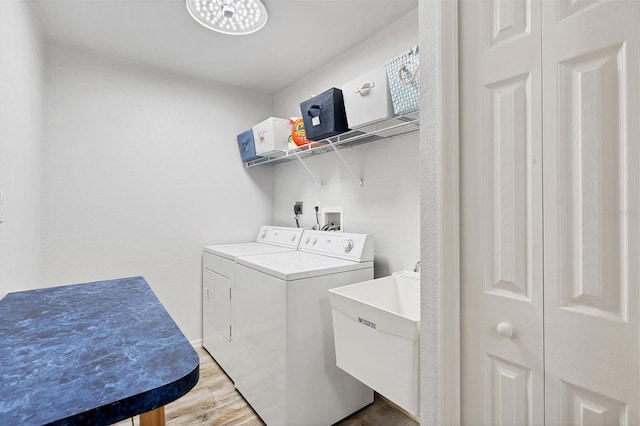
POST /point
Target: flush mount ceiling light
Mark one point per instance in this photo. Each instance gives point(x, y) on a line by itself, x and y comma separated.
point(235, 17)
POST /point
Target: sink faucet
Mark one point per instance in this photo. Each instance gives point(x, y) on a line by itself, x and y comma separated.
point(417, 267)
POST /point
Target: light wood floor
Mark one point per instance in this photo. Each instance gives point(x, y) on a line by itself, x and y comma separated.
point(215, 402)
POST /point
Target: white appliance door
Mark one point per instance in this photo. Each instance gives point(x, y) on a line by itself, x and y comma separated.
point(501, 213)
point(591, 55)
point(260, 339)
point(217, 296)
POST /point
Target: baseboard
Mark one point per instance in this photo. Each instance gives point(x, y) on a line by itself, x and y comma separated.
point(399, 408)
point(197, 344)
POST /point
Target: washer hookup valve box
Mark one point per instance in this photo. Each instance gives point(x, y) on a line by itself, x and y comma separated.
point(324, 115)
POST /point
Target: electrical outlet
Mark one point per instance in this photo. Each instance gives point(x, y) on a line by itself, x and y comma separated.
point(297, 207)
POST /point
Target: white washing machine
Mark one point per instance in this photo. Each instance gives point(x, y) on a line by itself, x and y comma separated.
point(286, 365)
point(218, 273)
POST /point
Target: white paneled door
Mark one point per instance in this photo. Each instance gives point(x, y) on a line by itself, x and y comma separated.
point(550, 243)
point(591, 211)
point(501, 213)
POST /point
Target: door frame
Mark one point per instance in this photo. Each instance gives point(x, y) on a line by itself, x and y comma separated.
point(439, 213)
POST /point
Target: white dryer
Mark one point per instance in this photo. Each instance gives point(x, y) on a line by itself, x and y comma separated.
point(286, 366)
point(218, 273)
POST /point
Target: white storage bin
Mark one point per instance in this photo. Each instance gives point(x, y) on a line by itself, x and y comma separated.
point(271, 137)
point(367, 98)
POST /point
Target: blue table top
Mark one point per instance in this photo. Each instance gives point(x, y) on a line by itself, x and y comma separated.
point(92, 353)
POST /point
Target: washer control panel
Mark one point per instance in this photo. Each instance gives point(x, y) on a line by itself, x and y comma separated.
point(355, 247)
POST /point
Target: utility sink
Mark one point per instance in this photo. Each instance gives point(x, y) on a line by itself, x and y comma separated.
point(376, 327)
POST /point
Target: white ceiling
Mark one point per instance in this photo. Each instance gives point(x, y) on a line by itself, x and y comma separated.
point(300, 36)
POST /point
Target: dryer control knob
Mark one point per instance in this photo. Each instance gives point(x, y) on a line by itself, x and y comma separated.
point(307, 241)
point(315, 240)
point(347, 245)
point(293, 238)
point(264, 234)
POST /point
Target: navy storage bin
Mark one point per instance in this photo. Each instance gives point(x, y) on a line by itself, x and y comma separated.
point(247, 147)
point(324, 115)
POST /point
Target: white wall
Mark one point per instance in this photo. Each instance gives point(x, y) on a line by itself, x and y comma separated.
point(430, 211)
point(21, 118)
point(388, 206)
point(439, 227)
point(142, 170)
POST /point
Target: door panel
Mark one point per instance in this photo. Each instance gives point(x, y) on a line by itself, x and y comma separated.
point(590, 140)
point(584, 407)
point(591, 189)
point(505, 21)
point(506, 146)
point(508, 387)
point(501, 212)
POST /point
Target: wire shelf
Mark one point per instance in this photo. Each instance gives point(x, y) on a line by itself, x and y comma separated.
point(386, 129)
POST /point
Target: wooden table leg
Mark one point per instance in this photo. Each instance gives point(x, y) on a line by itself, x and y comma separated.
point(153, 417)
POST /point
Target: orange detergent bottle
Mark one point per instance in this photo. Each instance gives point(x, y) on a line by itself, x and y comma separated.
point(298, 134)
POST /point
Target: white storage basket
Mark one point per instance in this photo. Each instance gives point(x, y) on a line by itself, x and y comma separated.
point(403, 73)
point(367, 98)
point(271, 137)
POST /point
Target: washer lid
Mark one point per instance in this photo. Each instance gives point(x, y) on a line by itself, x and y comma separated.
point(231, 251)
point(297, 265)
